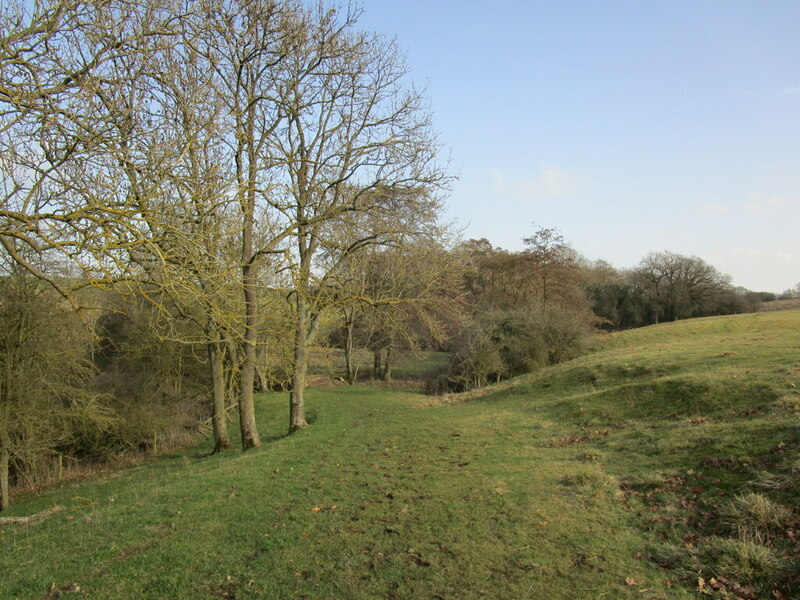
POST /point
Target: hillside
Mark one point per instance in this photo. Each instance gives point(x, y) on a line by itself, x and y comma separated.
point(623, 474)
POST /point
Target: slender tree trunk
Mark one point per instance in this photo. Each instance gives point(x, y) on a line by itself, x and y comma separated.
point(261, 375)
point(232, 372)
point(351, 371)
point(297, 410)
point(376, 363)
point(387, 366)
point(219, 421)
point(247, 414)
point(5, 454)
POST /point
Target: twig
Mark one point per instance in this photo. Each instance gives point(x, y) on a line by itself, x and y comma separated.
point(227, 409)
point(47, 512)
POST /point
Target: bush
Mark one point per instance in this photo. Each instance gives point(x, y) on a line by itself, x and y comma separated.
point(498, 344)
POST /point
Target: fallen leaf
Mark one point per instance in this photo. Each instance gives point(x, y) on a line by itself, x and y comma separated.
point(543, 523)
point(316, 509)
point(630, 581)
point(701, 586)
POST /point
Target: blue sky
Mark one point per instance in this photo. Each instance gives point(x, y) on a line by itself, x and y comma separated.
point(631, 126)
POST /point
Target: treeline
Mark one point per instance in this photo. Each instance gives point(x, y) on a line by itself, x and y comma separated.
point(664, 286)
point(520, 311)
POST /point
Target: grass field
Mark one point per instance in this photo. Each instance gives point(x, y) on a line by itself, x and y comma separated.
point(663, 464)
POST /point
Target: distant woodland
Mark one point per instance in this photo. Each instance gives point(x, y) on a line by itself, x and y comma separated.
point(197, 197)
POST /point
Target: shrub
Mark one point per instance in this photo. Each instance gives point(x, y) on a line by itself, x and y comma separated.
point(505, 343)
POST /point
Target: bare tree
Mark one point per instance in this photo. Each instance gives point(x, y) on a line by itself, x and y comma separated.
point(678, 286)
point(354, 140)
point(553, 268)
point(244, 43)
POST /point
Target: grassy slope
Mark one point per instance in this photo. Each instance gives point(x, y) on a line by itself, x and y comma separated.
point(508, 493)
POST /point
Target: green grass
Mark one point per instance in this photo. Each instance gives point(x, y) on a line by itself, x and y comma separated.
point(618, 475)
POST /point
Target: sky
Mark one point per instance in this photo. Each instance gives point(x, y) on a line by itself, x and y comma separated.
point(630, 126)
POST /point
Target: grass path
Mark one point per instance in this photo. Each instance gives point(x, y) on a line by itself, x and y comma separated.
point(414, 502)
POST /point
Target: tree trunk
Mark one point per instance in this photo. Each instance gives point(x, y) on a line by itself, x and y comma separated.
point(247, 413)
point(232, 372)
point(219, 421)
point(261, 374)
point(376, 364)
point(387, 366)
point(350, 368)
point(297, 410)
point(5, 454)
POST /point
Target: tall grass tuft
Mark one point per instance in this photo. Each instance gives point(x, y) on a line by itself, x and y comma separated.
point(754, 517)
point(742, 561)
point(593, 483)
